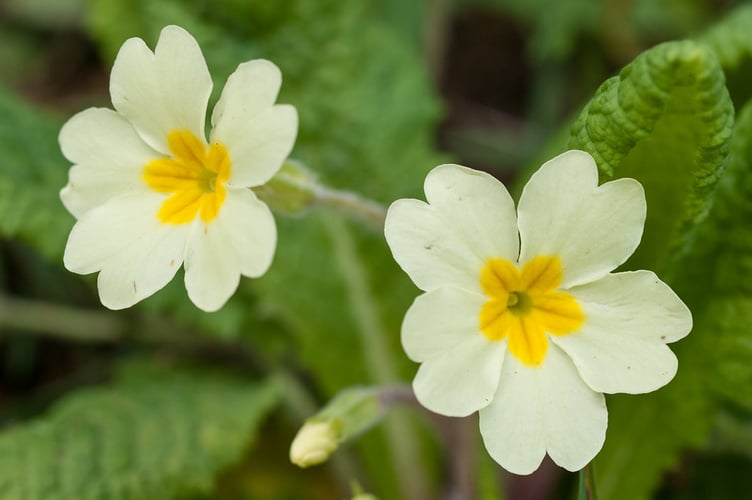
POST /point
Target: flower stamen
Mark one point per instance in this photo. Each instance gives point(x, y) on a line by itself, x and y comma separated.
point(194, 176)
point(524, 305)
point(519, 303)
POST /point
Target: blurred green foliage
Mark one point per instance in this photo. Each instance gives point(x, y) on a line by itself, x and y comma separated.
point(359, 74)
point(33, 171)
point(153, 435)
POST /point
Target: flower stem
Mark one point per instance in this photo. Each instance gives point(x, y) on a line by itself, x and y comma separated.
point(300, 404)
point(295, 189)
point(379, 363)
point(59, 321)
point(352, 205)
point(587, 489)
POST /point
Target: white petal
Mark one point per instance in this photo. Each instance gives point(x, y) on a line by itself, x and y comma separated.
point(629, 317)
point(162, 91)
point(89, 188)
point(477, 206)
point(109, 157)
point(123, 239)
point(470, 219)
point(241, 240)
point(462, 380)
point(258, 135)
point(593, 229)
point(439, 320)
point(259, 145)
point(427, 250)
point(541, 410)
point(512, 424)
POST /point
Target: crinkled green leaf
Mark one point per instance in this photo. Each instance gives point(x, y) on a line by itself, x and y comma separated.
point(32, 171)
point(162, 437)
point(666, 120)
point(717, 280)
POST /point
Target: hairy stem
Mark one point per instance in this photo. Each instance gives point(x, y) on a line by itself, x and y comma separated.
point(295, 189)
point(401, 439)
point(59, 321)
point(352, 205)
point(300, 404)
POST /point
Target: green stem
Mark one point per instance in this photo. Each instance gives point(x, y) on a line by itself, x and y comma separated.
point(401, 438)
point(301, 405)
point(587, 489)
point(352, 205)
point(59, 321)
point(295, 189)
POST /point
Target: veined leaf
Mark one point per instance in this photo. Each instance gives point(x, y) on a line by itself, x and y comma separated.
point(665, 121)
point(647, 433)
point(718, 273)
point(163, 437)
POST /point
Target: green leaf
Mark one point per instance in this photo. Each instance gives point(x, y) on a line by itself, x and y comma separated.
point(648, 432)
point(717, 281)
point(32, 172)
point(665, 121)
point(163, 437)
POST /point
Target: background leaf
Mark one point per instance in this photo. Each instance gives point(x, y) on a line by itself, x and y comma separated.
point(143, 437)
point(33, 172)
point(665, 121)
point(730, 41)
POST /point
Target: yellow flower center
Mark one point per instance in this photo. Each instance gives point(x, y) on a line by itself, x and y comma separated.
point(524, 305)
point(195, 177)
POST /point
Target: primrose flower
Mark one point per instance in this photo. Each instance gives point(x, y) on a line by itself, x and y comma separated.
point(151, 194)
point(522, 318)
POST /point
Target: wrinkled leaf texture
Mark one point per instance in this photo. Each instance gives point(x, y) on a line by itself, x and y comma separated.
point(154, 437)
point(667, 121)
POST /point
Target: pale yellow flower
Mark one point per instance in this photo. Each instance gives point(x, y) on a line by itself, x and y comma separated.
point(150, 193)
point(522, 318)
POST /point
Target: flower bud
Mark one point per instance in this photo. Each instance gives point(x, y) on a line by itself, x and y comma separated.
point(350, 413)
point(292, 190)
point(313, 444)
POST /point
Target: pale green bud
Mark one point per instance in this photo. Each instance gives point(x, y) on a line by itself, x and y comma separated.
point(353, 411)
point(314, 443)
point(293, 189)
